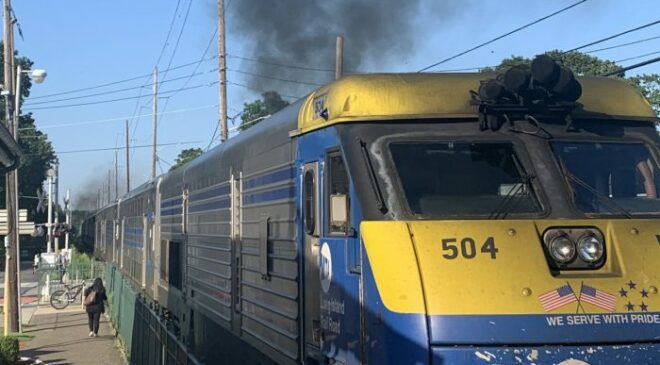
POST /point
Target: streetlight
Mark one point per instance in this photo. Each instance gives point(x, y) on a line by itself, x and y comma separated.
point(38, 75)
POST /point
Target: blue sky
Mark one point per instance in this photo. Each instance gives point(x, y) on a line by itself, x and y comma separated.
point(84, 43)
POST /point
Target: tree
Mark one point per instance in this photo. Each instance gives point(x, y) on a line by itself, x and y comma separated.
point(270, 103)
point(584, 64)
point(37, 157)
point(186, 156)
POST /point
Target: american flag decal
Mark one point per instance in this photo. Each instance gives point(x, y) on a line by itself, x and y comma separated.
point(598, 298)
point(557, 298)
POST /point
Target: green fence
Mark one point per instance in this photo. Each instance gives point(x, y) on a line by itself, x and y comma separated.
point(146, 335)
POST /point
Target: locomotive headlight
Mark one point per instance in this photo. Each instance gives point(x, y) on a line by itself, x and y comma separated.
point(562, 249)
point(590, 248)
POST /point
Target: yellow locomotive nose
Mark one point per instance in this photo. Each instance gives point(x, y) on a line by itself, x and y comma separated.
point(508, 267)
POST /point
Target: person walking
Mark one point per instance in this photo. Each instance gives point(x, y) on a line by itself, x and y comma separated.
point(94, 301)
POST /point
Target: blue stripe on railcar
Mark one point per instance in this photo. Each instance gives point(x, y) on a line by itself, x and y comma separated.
point(220, 204)
point(287, 173)
point(171, 204)
point(272, 195)
point(212, 193)
point(171, 211)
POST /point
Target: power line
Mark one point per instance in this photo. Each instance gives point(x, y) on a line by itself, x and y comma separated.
point(208, 47)
point(178, 39)
point(113, 83)
point(270, 63)
point(100, 121)
point(115, 91)
point(637, 57)
point(622, 70)
point(503, 35)
point(260, 90)
point(119, 99)
point(623, 45)
point(274, 78)
point(123, 147)
point(613, 36)
point(169, 32)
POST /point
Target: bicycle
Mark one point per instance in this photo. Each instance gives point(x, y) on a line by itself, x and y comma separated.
point(60, 299)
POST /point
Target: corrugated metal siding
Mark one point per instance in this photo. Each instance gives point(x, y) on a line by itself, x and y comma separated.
point(269, 303)
point(209, 249)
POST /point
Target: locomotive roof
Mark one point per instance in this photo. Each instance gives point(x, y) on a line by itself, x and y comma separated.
point(426, 95)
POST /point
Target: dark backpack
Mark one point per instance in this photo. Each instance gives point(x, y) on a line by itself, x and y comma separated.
point(90, 298)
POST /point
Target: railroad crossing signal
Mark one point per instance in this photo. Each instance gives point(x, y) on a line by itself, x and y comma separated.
point(41, 208)
point(24, 227)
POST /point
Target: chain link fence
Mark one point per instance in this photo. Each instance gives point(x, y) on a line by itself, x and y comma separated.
point(51, 278)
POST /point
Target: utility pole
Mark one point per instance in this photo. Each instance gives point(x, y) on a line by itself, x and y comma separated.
point(109, 185)
point(67, 211)
point(49, 243)
point(10, 289)
point(154, 156)
point(116, 176)
point(339, 57)
point(56, 200)
point(222, 69)
point(128, 168)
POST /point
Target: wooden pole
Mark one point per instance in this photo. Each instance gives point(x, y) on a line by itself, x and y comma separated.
point(116, 175)
point(128, 165)
point(222, 69)
point(339, 57)
point(154, 155)
point(10, 290)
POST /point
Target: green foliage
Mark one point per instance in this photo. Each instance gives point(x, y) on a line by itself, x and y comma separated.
point(271, 102)
point(37, 157)
point(587, 65)
point(8, 350)
point(649, 85)
point(186, 156)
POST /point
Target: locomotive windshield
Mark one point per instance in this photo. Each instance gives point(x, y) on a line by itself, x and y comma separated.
point(610, 178)
point(463, 179)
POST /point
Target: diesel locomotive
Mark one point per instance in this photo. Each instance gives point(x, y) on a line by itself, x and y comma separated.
point(412, 219)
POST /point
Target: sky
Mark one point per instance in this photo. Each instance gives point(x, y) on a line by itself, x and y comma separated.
point(84, 44)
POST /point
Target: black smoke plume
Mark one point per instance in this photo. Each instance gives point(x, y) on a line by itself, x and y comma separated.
point(303, 32)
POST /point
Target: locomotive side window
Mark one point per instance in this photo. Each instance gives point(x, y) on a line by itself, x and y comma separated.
point(442, 179)
point(337, 195)
point(309, 196)
point(610, 178)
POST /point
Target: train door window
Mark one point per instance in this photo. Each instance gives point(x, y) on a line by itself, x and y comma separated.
point(163, 260)
point(337, 195)
point(309, 196)
point(174, 267)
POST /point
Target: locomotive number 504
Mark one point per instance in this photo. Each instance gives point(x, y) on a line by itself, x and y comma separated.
point(468, 248)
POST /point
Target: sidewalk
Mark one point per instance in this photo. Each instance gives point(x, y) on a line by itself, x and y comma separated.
point(61, 338)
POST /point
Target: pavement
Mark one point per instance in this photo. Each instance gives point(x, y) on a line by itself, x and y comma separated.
point(61, 338)
point(28, 291)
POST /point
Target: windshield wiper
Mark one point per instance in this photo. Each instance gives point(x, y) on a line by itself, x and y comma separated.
point(525, 180)
point(605, 200)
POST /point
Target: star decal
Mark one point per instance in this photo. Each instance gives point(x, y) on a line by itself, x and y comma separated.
point(644, 293)
point(623, 293)
point(632, 285)
point(643, 307)
point(630, 307)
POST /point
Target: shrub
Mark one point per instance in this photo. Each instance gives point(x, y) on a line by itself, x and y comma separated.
point(8, 350)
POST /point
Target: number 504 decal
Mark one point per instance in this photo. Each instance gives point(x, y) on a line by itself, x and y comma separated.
point(467, 247)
